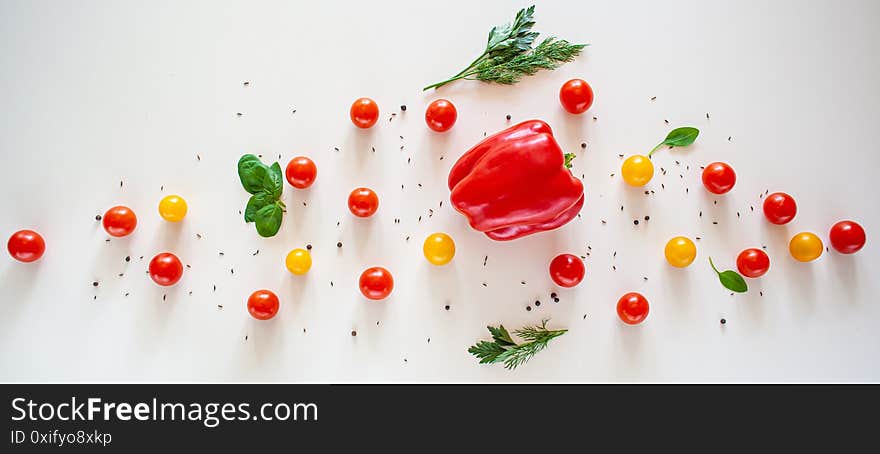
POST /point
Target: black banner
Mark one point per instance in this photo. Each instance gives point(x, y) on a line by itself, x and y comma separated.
point(230, 418)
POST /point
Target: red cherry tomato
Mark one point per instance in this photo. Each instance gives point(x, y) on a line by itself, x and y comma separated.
point(364, 112)
point(263, 304)
point(567, 270)
point(718, 178)
point(119, 221)
point(301, 172)
point(441, 115)
point(752, 263)
point(363, 202)
point(166, 269)
point(576, 96)
point(376, 283)
point(779, 208)
point(847, 237)
point(26, 246)
point(632, 308)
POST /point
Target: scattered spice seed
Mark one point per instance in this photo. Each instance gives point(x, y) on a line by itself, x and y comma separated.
point(707, 115)
point(446, 307)
point(339, 244)
point(403, 107)
point(583, 145)
point(309, 247)
point(723, 321)
point(354, 333)
point(215, 287)
point(127, 258)
point(222, 254)
point(163, 297)
point(555, 300)
point(553, 295)
point(485, 259)
point(198, 157)
point(666, 121)
point(537, 303)
point(714, 222)
point(647, 218)
point(653, 98)
point(635, 222)
point(95, 284)
point(529, 308)
point(729, 137)
point(508, 117)
point(199, 236)
point(255, 252)
point(246, 83)
point(238, 114)
point(595, 118)
point(485, 284)
point(126, 294)
point(604, 222)
point(98, 217)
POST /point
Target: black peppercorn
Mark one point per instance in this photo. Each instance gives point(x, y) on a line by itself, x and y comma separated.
point(98, 217)
point(508, 117)
point(723, 321)
point(309, 247)
point(403, 107)
point(635, 221)
point(339, 244)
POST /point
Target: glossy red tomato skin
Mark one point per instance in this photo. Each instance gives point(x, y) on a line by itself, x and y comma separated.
point(632, 308)
point(301, 172)
point(847, 237)
point(576, 96)
point(166, 269)
point(363, 202)
point(119, 221)
point(752, 263)
point(263, 304)
point(719, 178)
point(364, 113)
point(26, 246)
point(441, 115)
point(779, 208)
point(376, 283)
point(567, 270)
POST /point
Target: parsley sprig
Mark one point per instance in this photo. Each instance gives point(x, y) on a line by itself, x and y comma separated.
point(503, 349)
point(509, 55)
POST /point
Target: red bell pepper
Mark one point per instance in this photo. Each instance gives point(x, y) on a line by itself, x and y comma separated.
point(515, 183)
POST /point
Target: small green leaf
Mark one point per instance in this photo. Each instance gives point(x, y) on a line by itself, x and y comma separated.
point(730, 279)
point(568, 158)
point(681, 137)
point(268, 220)
point(255, 203)
point(249, 173)
point(501, 335)
point(733, 281)
point(272, 181)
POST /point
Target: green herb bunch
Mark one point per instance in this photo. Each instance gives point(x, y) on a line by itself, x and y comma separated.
point(509, 55)
point(265, 184)
point(503, 349)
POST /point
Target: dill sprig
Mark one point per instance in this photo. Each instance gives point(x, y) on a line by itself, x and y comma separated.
point(503, 349)
point(509, 54)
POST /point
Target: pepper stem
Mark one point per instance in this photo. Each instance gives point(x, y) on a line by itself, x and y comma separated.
point(568, 158)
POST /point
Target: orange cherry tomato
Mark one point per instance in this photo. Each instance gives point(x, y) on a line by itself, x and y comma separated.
point(119, 221)
point(301, 172)
point(364, 113)
point(376, 283)
point(26, 246)
point(263, 304)
point(441, 115)
point(576, 96)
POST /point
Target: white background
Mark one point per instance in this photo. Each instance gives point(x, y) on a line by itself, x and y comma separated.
point(98, 92)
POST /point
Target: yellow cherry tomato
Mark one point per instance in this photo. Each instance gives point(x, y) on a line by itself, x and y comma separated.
point(439, 248)
point(172, 208)
point(637, 170)
point(298, 261)
point(680, 252)
point(805, 247)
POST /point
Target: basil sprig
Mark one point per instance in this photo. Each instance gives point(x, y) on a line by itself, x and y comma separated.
point(265, 185)
point(678, 137)
point(730, 279)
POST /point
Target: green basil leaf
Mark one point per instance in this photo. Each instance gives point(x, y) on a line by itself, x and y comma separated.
point(733, 281)
point(273, 182)
point(256, 202)
point(681, 137)
point(268, 220)
point(249, 173)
